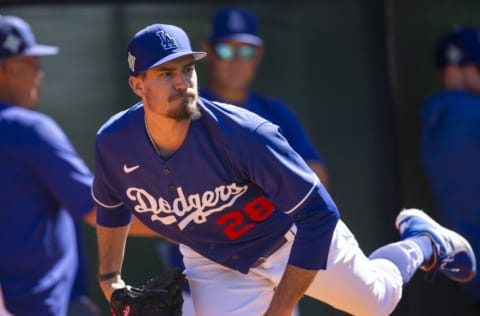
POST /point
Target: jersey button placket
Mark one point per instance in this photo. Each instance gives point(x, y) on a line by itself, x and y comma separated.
point(171, 187)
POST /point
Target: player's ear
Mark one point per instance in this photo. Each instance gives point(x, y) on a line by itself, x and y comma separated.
point(136, 84)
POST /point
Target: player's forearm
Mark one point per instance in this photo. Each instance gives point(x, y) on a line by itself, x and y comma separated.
point(290, 290)
point(111, 249)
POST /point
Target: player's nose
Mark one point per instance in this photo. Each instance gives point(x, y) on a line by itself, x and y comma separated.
point(181, 82)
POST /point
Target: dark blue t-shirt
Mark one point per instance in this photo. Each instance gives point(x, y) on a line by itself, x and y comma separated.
point(280, 114)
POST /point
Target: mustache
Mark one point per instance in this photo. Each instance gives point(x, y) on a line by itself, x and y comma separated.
point(184, 94)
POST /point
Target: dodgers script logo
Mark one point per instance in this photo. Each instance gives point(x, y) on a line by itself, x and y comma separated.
point(167, 41)
point(194, 207)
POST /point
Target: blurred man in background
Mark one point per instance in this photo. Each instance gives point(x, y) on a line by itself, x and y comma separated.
point(450, 139)
point(235, 51)
point(449, 60)
point(45, 188)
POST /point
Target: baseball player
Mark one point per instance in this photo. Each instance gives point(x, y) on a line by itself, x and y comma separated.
point(257, 228)
point(449, 144)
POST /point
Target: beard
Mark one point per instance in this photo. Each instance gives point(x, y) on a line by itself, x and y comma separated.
point(188, 110)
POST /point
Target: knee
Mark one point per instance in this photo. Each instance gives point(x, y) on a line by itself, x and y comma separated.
point(387, 291)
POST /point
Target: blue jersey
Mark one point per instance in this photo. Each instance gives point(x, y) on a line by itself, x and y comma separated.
point(450, 149)
point(42, 176)
point(280, 114)
point(230, 192)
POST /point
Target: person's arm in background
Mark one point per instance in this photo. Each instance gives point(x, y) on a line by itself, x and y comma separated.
point(91, 217)
point(70, 180)
point(282, 115)
point(3, 308)
point(320, 170)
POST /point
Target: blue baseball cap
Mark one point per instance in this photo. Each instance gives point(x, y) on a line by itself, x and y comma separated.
point(157, 44)
point(235, 24)
point(460, 46)
point(16, 37)
point(449, 50)
point(470, 40)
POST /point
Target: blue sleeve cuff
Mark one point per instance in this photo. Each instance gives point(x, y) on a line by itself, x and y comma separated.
point(113, 217)
point(315, 226)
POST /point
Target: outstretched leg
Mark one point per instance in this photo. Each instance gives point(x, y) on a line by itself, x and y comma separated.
point(452, 254)
point(429, 246)
point(373, 286)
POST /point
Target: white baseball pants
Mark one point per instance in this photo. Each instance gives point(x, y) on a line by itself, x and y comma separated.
point(351, 282)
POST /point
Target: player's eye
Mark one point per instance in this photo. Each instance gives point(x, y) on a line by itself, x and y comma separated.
point(188, 69)
point(166, 74)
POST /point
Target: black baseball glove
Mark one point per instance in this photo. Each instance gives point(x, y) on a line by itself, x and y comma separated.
point(159, 296)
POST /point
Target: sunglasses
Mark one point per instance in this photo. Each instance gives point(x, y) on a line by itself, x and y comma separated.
point(229, 52)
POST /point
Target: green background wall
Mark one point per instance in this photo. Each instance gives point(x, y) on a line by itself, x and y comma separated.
point(354, 71)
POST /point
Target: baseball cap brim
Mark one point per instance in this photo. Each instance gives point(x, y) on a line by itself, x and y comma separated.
point(41, 50)
point(196, 56)
point(242, 37)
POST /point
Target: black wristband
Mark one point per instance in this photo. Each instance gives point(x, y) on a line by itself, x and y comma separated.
point(107, 276)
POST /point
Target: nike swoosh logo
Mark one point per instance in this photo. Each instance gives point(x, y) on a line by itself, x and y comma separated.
point(130, 169)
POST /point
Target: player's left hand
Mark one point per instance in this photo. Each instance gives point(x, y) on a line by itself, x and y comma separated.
point(159, 296)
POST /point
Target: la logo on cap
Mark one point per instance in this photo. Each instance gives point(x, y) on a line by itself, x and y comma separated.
point(453, 54)
point(12, 43)
point(166, 40)
point(236, 21)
